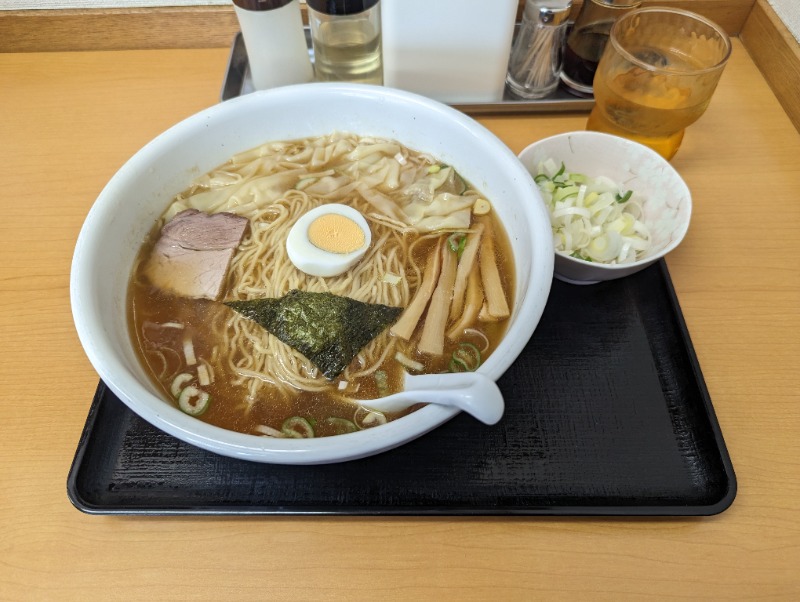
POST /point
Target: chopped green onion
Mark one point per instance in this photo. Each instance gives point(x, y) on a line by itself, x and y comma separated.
point(457, 243)
point(592, 218)
point(565, 192)
point(177, 383)
point(297, 427)
point(457, 366)
point(193, 401)
point(365, 418)
point(466, 358)
point(340, 425)
point(624, 198)
point(268, 431)
point(382, 381)
point(605, 247)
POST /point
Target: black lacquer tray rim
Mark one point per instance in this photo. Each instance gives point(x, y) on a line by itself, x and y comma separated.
point(167, 508)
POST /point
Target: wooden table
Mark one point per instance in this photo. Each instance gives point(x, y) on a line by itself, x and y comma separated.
point(69, 120)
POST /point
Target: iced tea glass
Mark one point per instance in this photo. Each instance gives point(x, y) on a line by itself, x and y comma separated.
point(656, 76)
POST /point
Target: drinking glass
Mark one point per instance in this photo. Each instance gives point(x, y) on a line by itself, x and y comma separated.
point(657, 75)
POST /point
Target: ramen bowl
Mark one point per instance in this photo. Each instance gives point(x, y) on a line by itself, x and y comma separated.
point(666, 202)
point(139, 192)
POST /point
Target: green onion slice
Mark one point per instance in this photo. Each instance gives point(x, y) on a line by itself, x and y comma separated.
point(193, 401)
point(340, 425)
point(297, 427)
point(457, 243)
point(462, 184)
point(624, 198)
point(382, 382)
point(466, 358)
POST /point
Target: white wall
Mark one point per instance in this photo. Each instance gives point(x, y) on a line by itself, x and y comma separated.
point(24, 4)
point(787, 10)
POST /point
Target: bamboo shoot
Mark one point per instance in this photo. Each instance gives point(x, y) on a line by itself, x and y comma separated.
point(432, 339)
point(466, 266)
point(496, 303)
point(471, 308)
point(407, 323)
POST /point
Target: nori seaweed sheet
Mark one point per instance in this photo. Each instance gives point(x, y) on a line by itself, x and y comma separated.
point(328, 329)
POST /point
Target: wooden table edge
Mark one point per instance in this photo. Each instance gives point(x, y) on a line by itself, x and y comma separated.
point(776, 53)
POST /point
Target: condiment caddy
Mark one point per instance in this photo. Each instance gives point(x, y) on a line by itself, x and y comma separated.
point(455, 51)
point(238, 81)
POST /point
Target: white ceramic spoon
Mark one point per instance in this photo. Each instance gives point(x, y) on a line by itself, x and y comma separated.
point(471, 392)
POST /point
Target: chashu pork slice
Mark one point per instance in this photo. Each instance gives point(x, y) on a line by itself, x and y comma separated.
point(193, 252)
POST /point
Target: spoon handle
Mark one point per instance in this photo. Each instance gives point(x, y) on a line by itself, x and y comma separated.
point(471, 392)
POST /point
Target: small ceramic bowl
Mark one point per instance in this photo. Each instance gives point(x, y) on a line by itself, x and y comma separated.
point(666, 206)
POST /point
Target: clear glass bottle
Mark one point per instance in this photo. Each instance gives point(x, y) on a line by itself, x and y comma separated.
point(346, 35)
point(276, 45)
point(538, 51)
point(587, 40)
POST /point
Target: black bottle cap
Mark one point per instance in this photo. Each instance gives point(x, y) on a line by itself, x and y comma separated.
point(261, 4)
point(341, 7)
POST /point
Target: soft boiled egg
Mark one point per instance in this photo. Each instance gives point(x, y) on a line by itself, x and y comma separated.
point(328, 240)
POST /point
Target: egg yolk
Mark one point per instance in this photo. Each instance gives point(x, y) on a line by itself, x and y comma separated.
point(336, 234)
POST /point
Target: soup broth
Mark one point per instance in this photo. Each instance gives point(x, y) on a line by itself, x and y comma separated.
point(254, 382)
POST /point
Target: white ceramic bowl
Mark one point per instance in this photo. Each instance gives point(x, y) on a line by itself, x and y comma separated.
point(667, 205)
point(140, 191)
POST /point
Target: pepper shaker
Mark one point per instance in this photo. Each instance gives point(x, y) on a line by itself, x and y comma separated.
point(537, 54)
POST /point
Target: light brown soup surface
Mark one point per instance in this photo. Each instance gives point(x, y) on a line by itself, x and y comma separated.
point(236, 353)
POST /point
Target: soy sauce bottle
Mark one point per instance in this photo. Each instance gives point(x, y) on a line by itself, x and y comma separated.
point(346, 35)
point(587, 40)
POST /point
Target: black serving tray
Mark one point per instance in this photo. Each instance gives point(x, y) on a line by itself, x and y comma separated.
point(238, 82)
point(607, 413)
